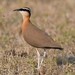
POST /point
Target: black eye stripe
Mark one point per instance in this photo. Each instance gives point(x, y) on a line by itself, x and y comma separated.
point(28, 10)
point(24, 9)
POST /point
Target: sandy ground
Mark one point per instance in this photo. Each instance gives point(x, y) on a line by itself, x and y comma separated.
point(56, 17)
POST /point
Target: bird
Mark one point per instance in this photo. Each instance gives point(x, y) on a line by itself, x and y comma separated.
point(36, 37)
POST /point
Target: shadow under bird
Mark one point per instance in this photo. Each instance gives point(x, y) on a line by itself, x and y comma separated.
point(36, 37)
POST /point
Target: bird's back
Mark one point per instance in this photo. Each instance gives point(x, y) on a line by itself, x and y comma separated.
point(38, 38)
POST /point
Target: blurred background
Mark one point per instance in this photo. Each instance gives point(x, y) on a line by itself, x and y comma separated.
point(56, 17)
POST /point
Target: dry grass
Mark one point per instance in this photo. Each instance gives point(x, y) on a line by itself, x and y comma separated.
point(56, 17)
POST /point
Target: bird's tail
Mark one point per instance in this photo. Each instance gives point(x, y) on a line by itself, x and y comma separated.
point(60, 48)
point(56, 46)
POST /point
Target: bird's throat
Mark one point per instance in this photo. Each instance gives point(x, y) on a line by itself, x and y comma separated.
point(25, 24)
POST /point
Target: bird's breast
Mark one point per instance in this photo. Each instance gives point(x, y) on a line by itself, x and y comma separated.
point(24, 27)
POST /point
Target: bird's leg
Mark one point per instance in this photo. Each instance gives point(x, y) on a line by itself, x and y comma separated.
point(44, 55)
point(38, 54)
point(40, 60)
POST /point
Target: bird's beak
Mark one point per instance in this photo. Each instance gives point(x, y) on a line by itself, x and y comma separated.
point(16, 10)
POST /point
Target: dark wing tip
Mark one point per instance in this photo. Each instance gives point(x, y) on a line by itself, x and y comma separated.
point(60, 48)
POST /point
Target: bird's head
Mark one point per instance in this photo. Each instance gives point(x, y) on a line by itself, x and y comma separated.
point(26, 12)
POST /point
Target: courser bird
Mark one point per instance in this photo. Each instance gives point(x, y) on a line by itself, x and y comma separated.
point(35, 36)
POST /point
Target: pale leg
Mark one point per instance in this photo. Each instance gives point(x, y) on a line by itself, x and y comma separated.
point(38, 54)
point(44, 55)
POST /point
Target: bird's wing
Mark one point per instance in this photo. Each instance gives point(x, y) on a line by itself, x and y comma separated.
point(39, 38)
